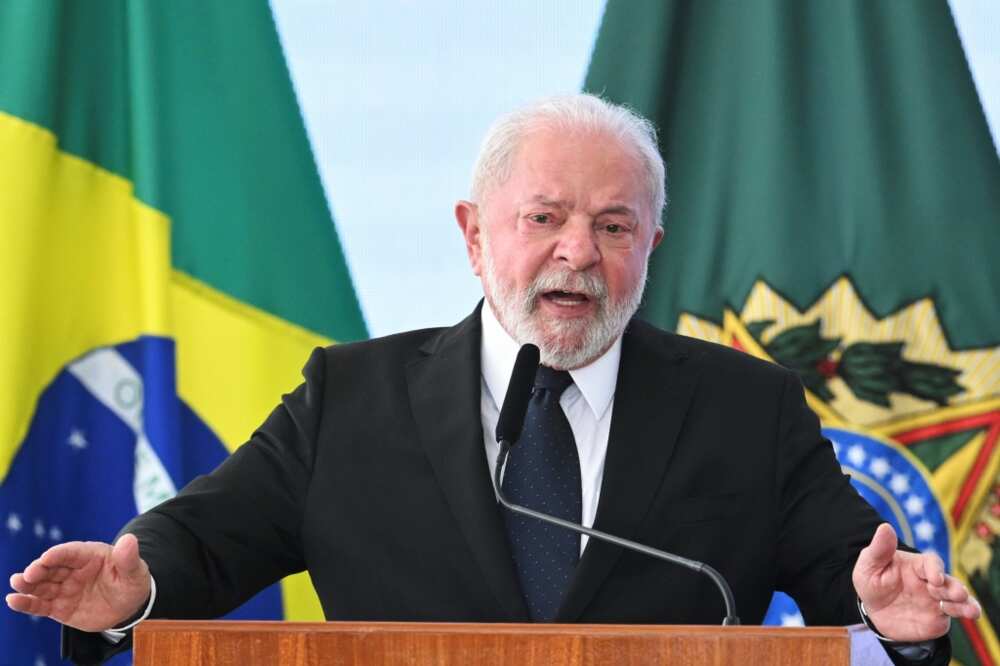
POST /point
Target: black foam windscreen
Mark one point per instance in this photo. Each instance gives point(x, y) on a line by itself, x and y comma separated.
point(515, 403)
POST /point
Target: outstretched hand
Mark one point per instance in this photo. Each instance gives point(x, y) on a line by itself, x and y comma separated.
point(89, 585)
point(908, 596)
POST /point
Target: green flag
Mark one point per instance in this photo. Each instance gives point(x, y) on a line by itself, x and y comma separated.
point(834, 200)
point(169, 261)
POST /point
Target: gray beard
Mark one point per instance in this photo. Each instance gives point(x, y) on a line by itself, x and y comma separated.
point(564, 344)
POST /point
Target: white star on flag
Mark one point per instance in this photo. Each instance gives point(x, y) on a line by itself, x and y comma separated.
point(39, 529)
point(899, 484)
point(856, 455)
point(914, 505)
point(13, 523)
point(924, 530)
point(55, 533)
point(880, 467)
point(77, 440)
point(792, 620)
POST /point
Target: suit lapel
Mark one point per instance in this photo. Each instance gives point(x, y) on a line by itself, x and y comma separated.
point(444, 389)
point(654, 389)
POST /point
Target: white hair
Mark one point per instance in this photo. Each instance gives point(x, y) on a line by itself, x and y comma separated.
point(579, 112)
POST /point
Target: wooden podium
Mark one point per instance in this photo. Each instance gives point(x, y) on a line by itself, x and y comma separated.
point(216, 643)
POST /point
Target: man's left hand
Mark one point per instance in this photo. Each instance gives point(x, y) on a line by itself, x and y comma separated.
point(908, 596)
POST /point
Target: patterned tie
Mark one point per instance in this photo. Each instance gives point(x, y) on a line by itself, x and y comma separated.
point(543, 473)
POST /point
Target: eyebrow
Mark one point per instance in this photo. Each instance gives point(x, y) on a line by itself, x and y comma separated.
point(546, 201)
point(616, 209)
point(620, 209)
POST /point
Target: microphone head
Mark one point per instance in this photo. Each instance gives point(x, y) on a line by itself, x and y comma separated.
point(515, 403)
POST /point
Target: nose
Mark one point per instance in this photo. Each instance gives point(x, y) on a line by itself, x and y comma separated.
point(577, 246)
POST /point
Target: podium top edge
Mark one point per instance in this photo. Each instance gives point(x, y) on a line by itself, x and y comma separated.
point(494, 628)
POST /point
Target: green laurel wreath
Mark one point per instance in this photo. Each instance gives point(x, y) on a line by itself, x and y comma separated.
point(871, 370)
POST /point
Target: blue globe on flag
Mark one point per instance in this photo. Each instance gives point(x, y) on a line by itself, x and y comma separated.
point(893, 482)
point(114, 440)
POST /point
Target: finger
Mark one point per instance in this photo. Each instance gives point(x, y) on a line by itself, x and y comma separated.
point(47, 591)
point(952, 590)
point(21, 585)
point(25, 603)
point(48, 574)
point(74, 554)
point(125, 556)
point(968, 609)
point(36, 572)
point(877, 555)
point(59, 574)
point(18, 583)
point(930, 567)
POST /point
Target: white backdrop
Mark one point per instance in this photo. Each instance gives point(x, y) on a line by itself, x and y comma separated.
point(397, 94)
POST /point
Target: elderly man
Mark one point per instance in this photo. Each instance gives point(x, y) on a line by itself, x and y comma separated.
point(375, 473)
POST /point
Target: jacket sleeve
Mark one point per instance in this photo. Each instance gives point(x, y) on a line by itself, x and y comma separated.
point(824, 525)
point(229, 534)
point(824, 522)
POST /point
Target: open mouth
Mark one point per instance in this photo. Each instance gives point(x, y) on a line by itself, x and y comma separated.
point(566, 298)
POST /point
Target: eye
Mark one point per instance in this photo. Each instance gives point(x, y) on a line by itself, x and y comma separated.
point(616, 228)
point(540, 218)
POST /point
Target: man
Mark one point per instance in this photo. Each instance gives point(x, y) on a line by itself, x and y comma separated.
point(375, 473)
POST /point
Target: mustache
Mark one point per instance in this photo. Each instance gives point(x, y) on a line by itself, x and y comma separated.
point(589, 284)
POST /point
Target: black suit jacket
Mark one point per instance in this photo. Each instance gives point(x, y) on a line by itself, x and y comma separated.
point(372, 475)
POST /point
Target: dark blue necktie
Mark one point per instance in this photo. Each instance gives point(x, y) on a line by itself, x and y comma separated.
point(543, 473)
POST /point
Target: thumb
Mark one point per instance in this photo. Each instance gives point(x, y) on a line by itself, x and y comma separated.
point(879, 553)
point(125, 556)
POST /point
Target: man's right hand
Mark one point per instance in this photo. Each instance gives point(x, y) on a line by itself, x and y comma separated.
point(89, 585)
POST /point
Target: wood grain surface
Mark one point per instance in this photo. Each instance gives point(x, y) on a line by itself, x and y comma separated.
point(216, 643)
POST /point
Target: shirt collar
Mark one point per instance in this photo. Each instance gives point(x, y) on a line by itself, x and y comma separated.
point(595, 381)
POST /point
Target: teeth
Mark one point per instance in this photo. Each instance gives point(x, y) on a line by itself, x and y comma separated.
point(566, 298)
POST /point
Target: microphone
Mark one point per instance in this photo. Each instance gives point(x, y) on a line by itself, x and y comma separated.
point(509, 425)
point(515, 403)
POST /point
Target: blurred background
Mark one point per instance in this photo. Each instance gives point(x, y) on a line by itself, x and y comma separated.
point(196, 194)
point(396, 96)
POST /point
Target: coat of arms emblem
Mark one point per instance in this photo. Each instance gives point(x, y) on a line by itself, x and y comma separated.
point(915, 423)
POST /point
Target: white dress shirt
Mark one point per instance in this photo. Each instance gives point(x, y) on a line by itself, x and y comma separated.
point(587, 403)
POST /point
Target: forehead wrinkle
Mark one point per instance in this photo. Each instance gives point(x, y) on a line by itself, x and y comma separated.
point(548, 201)
point(611, 208)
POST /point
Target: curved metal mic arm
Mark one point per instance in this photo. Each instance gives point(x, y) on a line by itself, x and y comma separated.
point(720, 582)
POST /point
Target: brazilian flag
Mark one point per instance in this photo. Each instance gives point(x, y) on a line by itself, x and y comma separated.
point(168, 262)
point(834, 206)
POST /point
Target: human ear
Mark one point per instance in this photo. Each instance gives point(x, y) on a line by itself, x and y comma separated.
point(467, 215)
point(657, 237)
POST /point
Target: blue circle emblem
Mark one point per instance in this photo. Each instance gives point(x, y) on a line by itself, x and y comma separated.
point(897, 486)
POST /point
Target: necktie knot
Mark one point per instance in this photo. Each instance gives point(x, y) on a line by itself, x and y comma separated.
point(555, 381)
